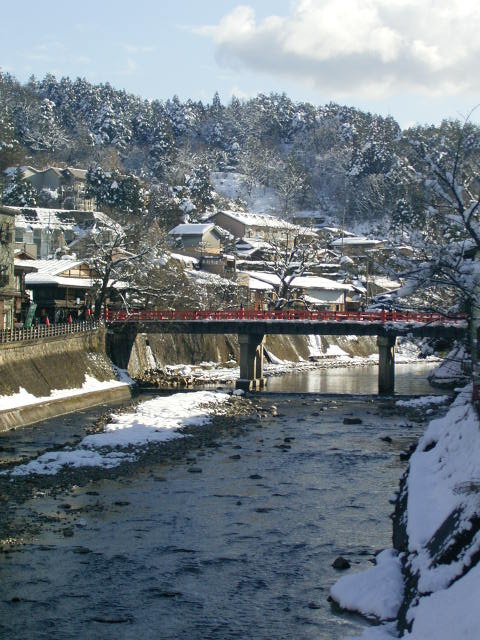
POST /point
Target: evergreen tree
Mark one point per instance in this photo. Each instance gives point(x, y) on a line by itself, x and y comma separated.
point(19, 192)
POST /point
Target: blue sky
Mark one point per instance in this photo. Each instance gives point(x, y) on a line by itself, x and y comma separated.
point(416, 60)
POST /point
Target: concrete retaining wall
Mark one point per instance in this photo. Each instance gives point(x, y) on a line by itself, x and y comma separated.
point(53, 363)
point(29, 414)
point(147, 351)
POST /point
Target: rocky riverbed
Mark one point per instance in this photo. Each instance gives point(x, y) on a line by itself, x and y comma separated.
point(245, 515)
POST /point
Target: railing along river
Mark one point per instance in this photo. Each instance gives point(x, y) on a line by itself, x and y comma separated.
point(45, 331)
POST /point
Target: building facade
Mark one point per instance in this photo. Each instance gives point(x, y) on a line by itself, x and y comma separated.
point(7, 274)
point(68, 185)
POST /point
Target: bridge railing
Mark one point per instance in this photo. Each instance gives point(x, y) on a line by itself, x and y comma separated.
point(44, 331)
point(152, 315)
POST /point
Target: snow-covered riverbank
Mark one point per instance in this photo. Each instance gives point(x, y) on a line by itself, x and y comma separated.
point(122, 438)
point(435, 594)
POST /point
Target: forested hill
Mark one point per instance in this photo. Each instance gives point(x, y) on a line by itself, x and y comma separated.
point(331, 158)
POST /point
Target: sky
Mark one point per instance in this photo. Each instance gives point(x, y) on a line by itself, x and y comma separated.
point(416, 60)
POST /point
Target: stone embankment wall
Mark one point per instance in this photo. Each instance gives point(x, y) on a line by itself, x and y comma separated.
point(53, 363)
point(145, 352)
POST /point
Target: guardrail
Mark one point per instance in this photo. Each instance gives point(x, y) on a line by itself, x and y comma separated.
point(44, 331)
point(152, 315)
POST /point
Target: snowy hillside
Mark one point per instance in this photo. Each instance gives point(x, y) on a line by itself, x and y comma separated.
point(232, 185)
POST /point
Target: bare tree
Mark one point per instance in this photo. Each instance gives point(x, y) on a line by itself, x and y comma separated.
point(291, 183)
point(445, 163)
point(292, 253)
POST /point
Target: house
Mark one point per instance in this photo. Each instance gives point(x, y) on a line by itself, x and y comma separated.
point(220, 264)
point(41, 232)
point(23, 264)
point(66, 185)
point(380, 284)
point(261, 227)
point(196, 239)
point(60, 287)
point(7, 276)
point(252, 249)
point(356, 245)
point(318, 292)
point(254, 293)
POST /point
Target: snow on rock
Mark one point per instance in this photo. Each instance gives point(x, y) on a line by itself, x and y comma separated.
point(376, 592)
point(316, 349)
point(314, 343)
point(424, 401)
point(156, 420)
point(272, 358)
point(443, 497)
point(437, 473)
point(450, 614)
point(452, 369)
point(334, 350)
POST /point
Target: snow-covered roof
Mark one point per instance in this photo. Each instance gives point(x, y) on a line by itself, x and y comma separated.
point(347, 234)
point(205, 277)
point(32, 279)
point(250, 243)
point(185, 259)
point(77, 173)
point(57, 219)
point(244, 279)
point(11, 171)
point(191, 229)
point(353, 240)
point(385, 283)
point(317, 300)
point(50, 267)
point(258, 220)
point(302, 282)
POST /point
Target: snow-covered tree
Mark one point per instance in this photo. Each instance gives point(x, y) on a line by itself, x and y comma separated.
point(115, 191)
point(200, 188)
point(445, 162)
point(19, 192)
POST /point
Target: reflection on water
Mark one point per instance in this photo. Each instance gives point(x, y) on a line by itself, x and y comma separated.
point(410, 379)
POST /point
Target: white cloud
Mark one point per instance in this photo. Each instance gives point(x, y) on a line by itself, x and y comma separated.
point(359, 47)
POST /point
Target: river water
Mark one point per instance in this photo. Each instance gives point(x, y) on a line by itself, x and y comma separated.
point(242, 549)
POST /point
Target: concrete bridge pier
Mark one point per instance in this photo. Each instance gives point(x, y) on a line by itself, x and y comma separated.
point(251, 361)
point(386, 364)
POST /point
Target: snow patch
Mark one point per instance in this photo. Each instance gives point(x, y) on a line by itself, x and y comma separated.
point(376, 592)
point(423, 402)
point(156, 420)
point(23, 398)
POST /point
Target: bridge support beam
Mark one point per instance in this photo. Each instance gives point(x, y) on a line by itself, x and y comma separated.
point(386, 364)
point(251, 362)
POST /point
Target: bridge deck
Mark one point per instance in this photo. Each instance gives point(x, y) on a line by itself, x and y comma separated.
point(292, 322)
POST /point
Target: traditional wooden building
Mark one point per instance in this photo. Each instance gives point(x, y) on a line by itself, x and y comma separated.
point(7, 276)
point(196, 239)
point(60, 288)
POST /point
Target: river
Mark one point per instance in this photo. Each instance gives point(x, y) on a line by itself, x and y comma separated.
point(242, 549)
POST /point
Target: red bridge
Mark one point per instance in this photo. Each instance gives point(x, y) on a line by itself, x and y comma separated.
point(251, 326)
point(383, 316)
